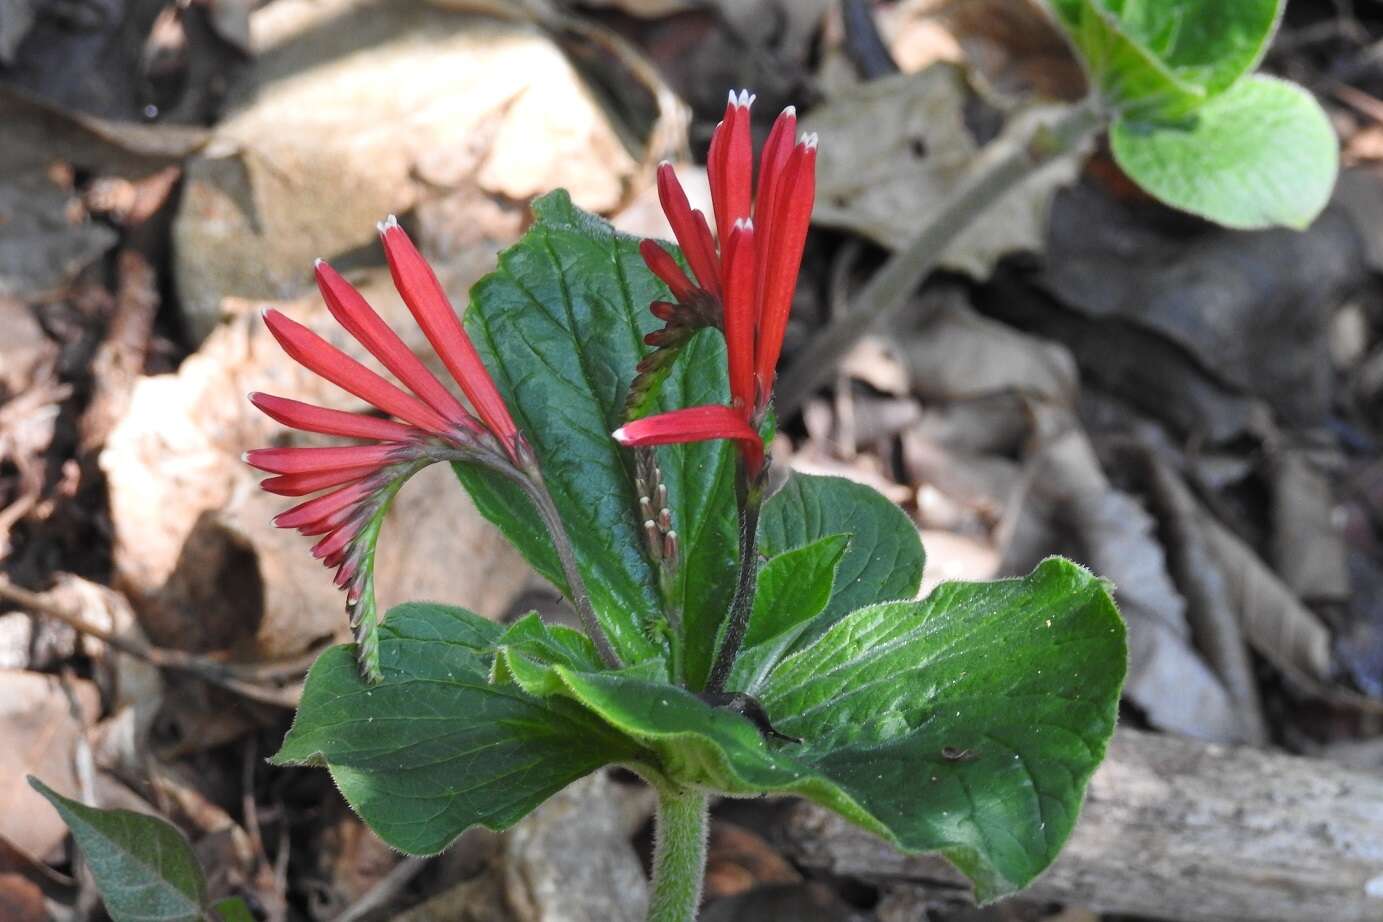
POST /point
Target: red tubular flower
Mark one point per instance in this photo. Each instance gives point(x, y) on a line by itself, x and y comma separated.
point(753, 272)
point(427, 420)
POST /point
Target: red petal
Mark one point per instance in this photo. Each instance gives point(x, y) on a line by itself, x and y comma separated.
point(696, 424)
point(661, 264)
point(310, 460)
point(731, 166)
point(690, 228)
point(316, 509)
point(326, 523)
point(303, 484)
point(775, 155)
point(298, 415)
point(740, 314)
point(360, 320)
point(334, 543)
point(424, 296)
point(317, 355)
point(791, 216)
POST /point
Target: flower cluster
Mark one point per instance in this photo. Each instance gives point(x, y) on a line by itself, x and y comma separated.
point(752, 273)
point(427, 422)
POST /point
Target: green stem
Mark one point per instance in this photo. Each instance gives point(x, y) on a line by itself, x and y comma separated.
point(580, 597)
point(892, 286)
point(743, 604)
point(679, 856)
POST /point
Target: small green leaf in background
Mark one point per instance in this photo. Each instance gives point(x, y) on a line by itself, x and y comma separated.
point(793, 589)
point(1261, 154)
point(884, 559)
point(1161, 59)
point(144, 868)
point(232, 909)
point(436, 748)
point(560, 325)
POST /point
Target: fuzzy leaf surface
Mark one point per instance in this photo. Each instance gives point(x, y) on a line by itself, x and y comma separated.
point(884, 559)
point(560, 325)
point(436, 748)
point(1259, 155)
point(144, 868)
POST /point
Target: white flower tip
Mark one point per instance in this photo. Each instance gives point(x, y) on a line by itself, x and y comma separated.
point(663, 163)
point(619, 435)
point(744, 224)
point(743, 100)
point(388, 224)
point(264, 313)
point(809, 141)
point(318, 263)
point(789, 112)
point(245, 457)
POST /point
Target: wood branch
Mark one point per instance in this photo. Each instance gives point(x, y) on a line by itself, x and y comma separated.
point(1175, 829)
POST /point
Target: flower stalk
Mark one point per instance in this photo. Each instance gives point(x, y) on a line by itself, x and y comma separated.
point(679, 853)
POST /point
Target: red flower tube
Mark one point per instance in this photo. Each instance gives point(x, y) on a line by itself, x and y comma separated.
point(427, 422)
point(753, 272)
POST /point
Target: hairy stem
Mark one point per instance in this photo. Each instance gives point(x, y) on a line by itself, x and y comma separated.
point(679, 855)
point(892, 286)
point(743, 604)
point(576, 586)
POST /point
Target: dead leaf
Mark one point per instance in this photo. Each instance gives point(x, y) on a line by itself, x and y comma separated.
point(46, 237)
point(953, 353)
point(1308, 550)
point(353, 104)
point(1185, 306)
point(40, 734)
point(1069, 507)
point(893, 148)
point(739, 859)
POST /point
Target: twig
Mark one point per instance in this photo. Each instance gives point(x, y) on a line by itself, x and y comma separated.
point(384, 891)
point(225, 675)
point(893, 285)
point(863, 44)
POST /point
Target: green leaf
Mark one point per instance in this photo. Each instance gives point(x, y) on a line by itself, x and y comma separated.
point(884, 560)
point(233, 909)
point(560, 325)
point(967, 723)
point(1259, 155)
point(1161, 59)
point(143, 867)
point(435, 747)
point(793, 589)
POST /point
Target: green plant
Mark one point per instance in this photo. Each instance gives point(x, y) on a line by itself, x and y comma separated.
point(738, 637)
point(1188, 120)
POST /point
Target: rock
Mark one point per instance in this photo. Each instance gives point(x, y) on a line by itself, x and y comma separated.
point(356, 109)
point(571, 861)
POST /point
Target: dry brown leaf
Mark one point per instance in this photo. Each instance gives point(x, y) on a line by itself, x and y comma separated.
point(953, 353)
point(1070, 508)
point(1308, 550)
point(893, 149)
point(39, 734)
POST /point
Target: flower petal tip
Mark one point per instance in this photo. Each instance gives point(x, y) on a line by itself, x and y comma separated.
point(790, 111)
point(620, 435)
point(388, 224)
point(809, 140)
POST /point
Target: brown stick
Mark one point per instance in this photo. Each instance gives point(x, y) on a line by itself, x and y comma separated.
point(243, 680)
point(1174, 829)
